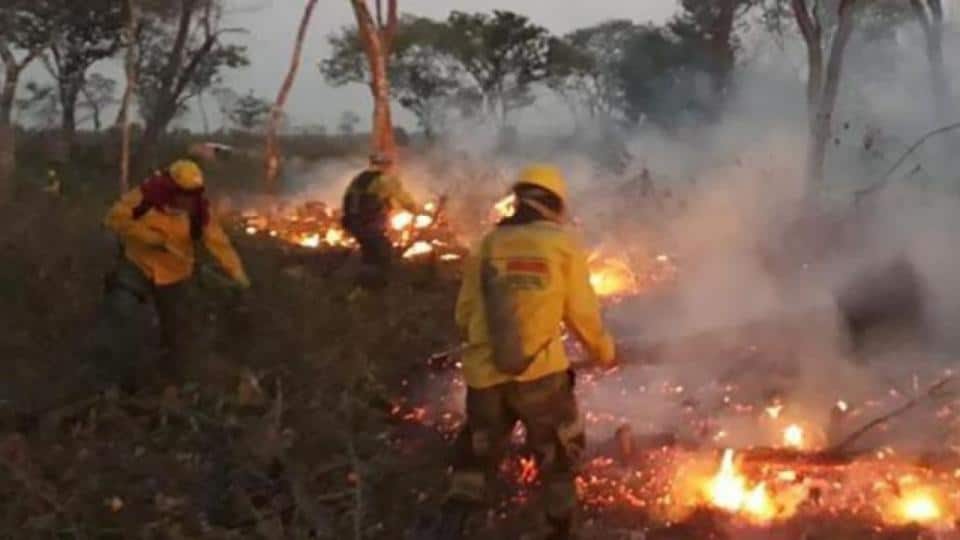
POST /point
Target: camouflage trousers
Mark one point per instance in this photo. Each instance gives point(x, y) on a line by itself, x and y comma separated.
point(555, 433)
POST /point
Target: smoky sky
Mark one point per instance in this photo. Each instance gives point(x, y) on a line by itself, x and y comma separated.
point(272, 25)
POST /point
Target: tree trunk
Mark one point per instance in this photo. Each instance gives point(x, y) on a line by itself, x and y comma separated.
point(272, 154)
point(69, 94)
point(8, 148)
point(930, 17)
point(130, 70)
point(828, 98)
point(382, 137)
point(378, 43)
point(722, 46)
point(172, 78)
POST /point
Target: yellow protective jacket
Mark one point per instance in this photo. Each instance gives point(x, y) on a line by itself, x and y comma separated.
point(389, 188)
point(159, 243)
point(549, 261)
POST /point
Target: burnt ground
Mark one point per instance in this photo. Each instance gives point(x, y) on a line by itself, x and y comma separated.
point(296, 418)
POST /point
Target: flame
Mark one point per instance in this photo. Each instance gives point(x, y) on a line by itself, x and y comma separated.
point(920, 508)
point(417, 249)
point(310, 241)
point(611, 276)
point(505, 207)
point(728, 490)
point(334, 237)
point(793, 436)
point(430, 207)
point(401, 220)
point(251, 230)
point(774, 411)
point(842, 406)
point(422, 221)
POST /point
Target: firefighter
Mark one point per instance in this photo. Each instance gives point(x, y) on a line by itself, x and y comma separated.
point(367, 203)
point(528, 279)
point(158, 224)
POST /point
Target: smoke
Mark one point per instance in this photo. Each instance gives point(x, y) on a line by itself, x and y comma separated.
point(755, 317)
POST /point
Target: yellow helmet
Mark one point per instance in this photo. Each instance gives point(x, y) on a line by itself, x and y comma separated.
point(547, 177)
point(187, 175)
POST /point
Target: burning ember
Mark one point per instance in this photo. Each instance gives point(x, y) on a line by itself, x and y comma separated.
point(313, 225)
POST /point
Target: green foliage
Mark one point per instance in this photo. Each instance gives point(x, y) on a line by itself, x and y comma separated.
point(473, 62)
point(201, 66)
point(584, 66)
point(662, 77)
point(504, 54)
point(250, 112)
point(423, 77)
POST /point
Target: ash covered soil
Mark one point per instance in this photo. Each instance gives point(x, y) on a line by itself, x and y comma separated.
point(305, 414)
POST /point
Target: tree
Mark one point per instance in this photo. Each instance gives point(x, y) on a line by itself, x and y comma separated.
point(131, 62)
point(348, 122)
point(823, 80)
point(377, 36)
point(41, 103)
point(272, 153)
point(662, 78)
point(98, 93)
point(584, 67)
point(23, 37)
point(250, 112)
point(181, 55)
point(929, 13)
point(423, 78)
point(504, 55)
point(87, 32)
point(712, 26)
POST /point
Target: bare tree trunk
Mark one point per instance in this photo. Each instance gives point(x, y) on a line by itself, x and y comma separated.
point(130, 68)
point(378, 44)
point(823, 86)
point(822, 129)
point(722, 46)
point(165, 107)
point(8, 147)
point(930, 17)
point(272, 161)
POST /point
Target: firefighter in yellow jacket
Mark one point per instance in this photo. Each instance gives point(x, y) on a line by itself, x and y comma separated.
point(158, 225)
point(367, 203)
point(528, 279)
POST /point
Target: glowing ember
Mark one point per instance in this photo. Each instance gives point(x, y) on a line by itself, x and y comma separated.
point(430, 207)
point(251, 230)
point(842, 406)
point(793, 436)
point(450, 257)
point(528, 470)
point(418, 249)
point(401, 220)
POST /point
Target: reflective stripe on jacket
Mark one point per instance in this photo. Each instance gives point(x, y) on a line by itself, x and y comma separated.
point(548, 271)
